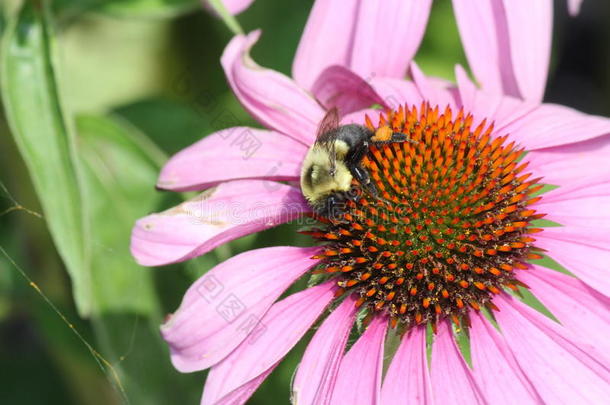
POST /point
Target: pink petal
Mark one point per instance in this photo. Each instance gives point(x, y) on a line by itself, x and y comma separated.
point(576, 205)
point(433, 91)
point(562, 368)
point(231, 154)
point(281, 328)
point(587, 262)
point(348, 33)
point(387, 36)
point(580, 162)
point(233, 6)
point(408, 378)
point(530, 28)
point(317, 373)
point(272, 98)
point(494, 367)
point(507, 44)
point(396, 92)
point(577, 307)
point(338, 86)
point(327, 39)
point(218, 215)
point(574, 7)
point(221, 308)
point(500, 109)
point(452, 380)
point(359, 379)
point(553, 125)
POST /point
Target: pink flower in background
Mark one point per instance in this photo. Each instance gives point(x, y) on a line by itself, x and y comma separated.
point(354, 55)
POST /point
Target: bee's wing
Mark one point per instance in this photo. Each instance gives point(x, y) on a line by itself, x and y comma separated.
point(326, 134)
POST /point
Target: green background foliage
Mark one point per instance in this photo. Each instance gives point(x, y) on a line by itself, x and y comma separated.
point(95, 96)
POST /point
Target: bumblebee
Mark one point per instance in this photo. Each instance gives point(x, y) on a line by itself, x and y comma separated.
point(334, 160)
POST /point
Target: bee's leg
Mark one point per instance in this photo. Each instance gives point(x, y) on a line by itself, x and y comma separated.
point(332, 208)
point(364, 179)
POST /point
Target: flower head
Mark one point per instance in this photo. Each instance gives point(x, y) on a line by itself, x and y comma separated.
point(451, 233)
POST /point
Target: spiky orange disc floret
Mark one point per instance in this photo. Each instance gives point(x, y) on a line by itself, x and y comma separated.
point(450, 224)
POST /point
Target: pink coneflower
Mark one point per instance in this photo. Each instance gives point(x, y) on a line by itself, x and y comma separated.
point(450, 237)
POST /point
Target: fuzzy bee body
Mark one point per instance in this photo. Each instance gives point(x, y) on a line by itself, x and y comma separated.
point(334, 160)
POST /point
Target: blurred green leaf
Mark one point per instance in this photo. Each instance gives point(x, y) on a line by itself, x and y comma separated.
point(147, 8)
point(46, 144)
point(118, 176)
point(227, 18)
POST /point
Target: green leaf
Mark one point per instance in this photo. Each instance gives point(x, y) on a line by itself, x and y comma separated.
point(44, 140)
point(227, 18)
point(147, 8)
point(120, 167)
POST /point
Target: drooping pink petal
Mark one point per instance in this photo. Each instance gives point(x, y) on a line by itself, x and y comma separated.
point(580, 162)
point(327, 39)
point(574, 7)
point(433, 91)
point(280, 329)
point(387, 36)
point(494, 367)
point(221, 308)
point(338, 86)
point(587, 261)
point(233, 154)
point(233, 6)
point(216, 216)
point(508, 44)
point(349, 33)
point(396, 92)
point(452, 380)
point(408, 378)
point(359, 378)
point(562, 368)
point(272, 98)
point(580, 309)
point(316, 375)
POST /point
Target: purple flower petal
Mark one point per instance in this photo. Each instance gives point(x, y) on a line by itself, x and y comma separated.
point(562, 368)
point(221, 214)
point(359, 379)
point(554, 125)
point(408, 377)
point(272, 98)
point(573, 163)
point(232, 154)
point(282, 327)
point(578, 308)
point(349, 33)
point(587, 261)
point(222, 307)
point(387, 35)
point(433, 91)
point(338, 86)
point(396, 92)
point(494, 367)
point(574, 7)
point(452, 380)
point(317, 373)
point(327, 39)
point(508, 44)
